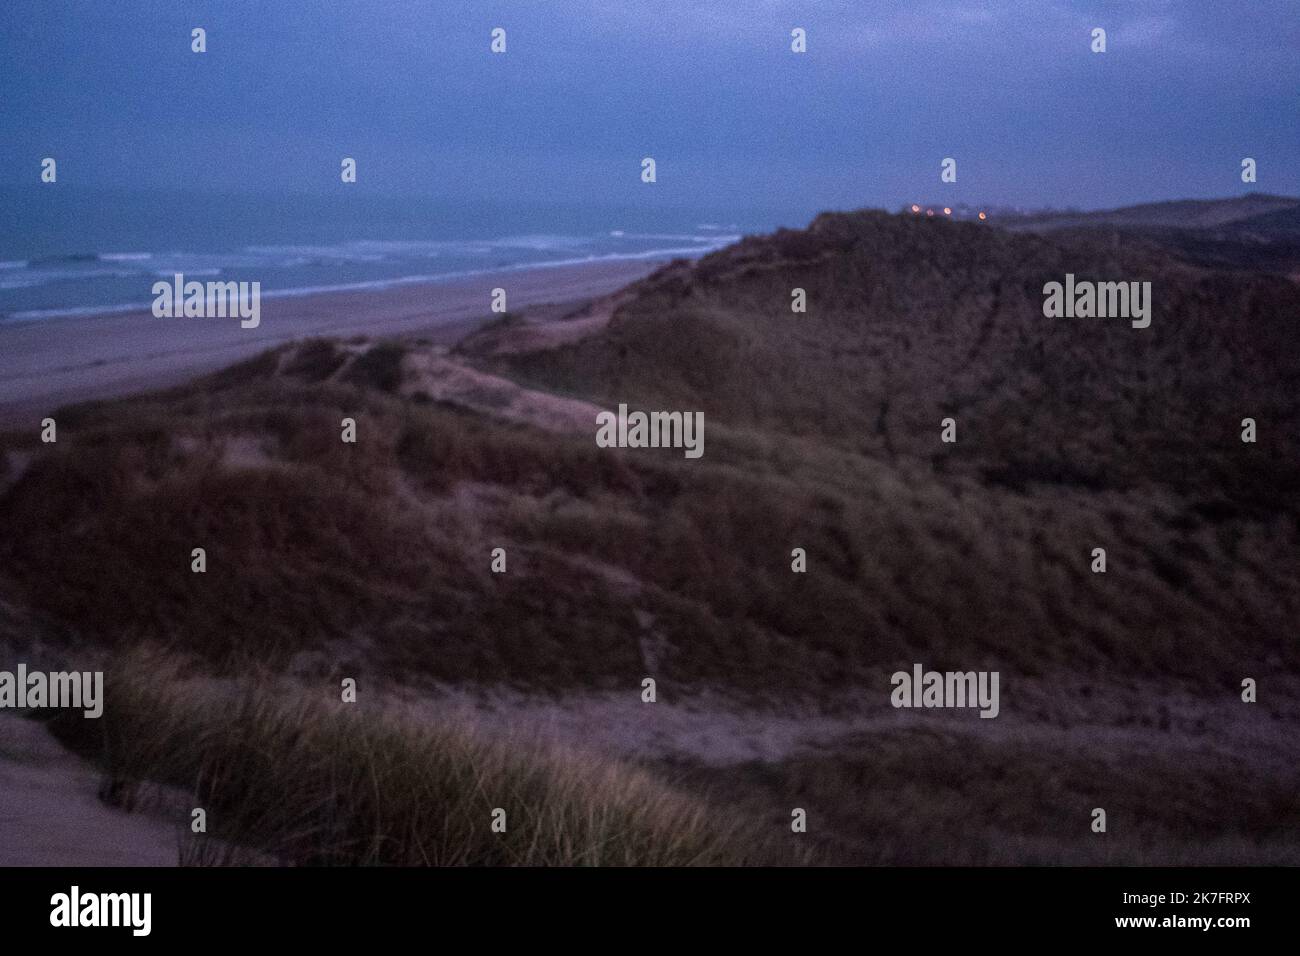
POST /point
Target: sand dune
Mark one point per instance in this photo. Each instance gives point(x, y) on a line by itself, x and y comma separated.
point(44, 364)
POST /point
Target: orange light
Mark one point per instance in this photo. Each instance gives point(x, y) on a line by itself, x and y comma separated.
point(929, 212)
point(947, 211)
point(916, 208)
point(982, 216)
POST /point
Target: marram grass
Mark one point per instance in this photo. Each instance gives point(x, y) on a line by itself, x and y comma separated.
point(312, 782)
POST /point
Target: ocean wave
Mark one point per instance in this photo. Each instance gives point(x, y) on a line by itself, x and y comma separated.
point(33, 278)
point(429, 248)
point(677, 237)
point(125, 256)
point(31, 315)
point(79, 258)
point(338, 253)
point(25, 282)
point(169, 273)
point(64, 259)
point(538, 242)
point(384, 283)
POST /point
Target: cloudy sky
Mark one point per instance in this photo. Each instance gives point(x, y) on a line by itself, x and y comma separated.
point(709, 88)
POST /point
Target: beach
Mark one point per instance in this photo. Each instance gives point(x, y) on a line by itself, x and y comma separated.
point(48, 363)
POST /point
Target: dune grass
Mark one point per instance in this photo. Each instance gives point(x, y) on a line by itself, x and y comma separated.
point(374, 557)
point(310, 782)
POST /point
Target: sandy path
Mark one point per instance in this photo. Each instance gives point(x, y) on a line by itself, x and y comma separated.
point(50, 814)
point(712, 731)
point(45, 364)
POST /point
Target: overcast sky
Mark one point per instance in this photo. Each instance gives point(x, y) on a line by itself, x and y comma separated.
point(708, 88)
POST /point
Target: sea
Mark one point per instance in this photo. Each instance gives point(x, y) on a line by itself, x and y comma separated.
point(67, 251)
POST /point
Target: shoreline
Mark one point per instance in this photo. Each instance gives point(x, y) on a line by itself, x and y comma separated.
point(49, 363)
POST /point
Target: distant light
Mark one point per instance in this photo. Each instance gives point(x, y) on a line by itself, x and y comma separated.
point(916, 208)
point(929, 212)
point(947, 211)
point(982, 216)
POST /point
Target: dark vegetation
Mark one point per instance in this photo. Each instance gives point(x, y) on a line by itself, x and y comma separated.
point(306, 783)
point(822, 432)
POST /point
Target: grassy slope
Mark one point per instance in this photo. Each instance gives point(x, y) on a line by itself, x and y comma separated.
point(1073, 434)
point(821, 432)
point(314, 783)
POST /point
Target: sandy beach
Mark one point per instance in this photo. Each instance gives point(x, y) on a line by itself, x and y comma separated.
point(49, 363)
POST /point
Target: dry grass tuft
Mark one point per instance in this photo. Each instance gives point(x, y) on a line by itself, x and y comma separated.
point(313, 783)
